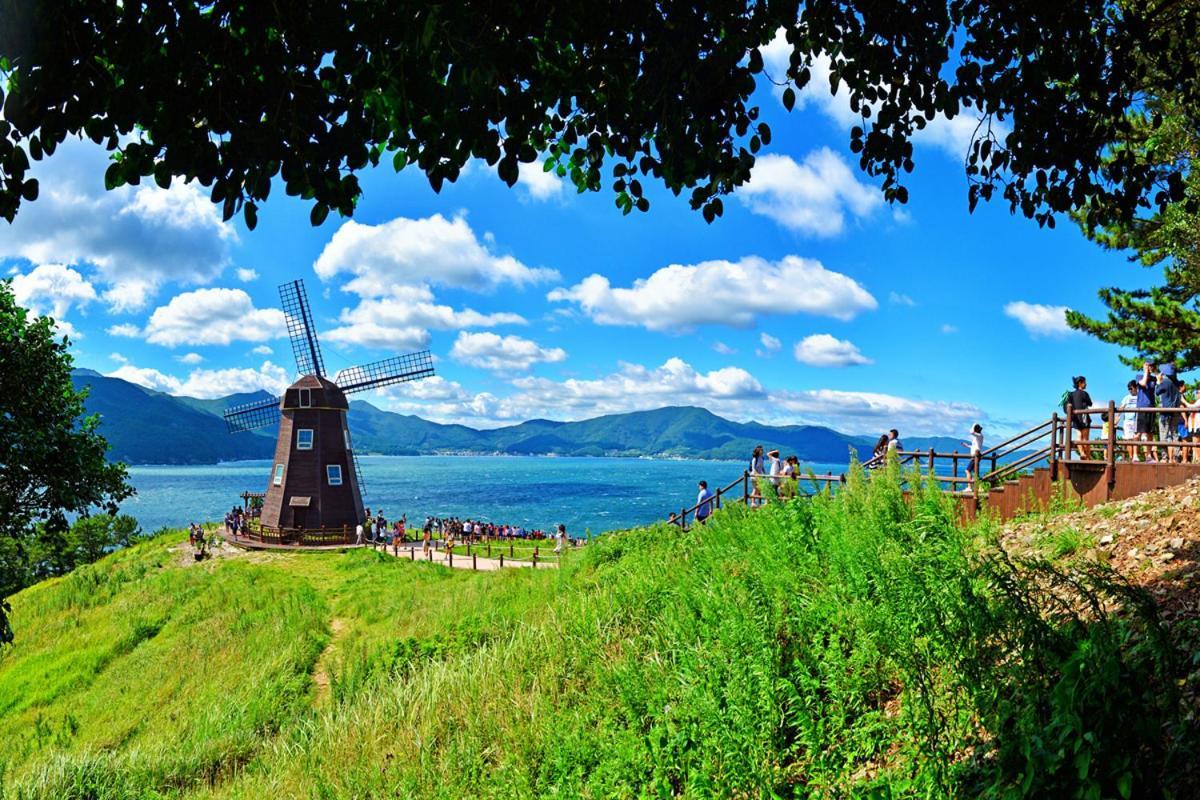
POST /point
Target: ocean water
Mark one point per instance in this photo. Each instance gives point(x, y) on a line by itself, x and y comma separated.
point(586, 494)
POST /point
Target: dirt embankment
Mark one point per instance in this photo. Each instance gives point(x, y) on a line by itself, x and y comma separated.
point(1152, 540)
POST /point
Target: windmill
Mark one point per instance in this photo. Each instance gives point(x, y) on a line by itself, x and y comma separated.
point(314, 481)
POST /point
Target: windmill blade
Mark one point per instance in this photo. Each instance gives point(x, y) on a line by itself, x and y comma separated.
point(301, 329)
point(397, 369)
point(249, 416)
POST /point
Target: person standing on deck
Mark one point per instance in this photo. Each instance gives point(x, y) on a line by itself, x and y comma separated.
point(757, 469)
point(1079, 399)
point(1129, 420)
point(703, 503)
point(776, 469)
point(894, 445)
point(1168, 395)
point(1146, 426)
point(976, 445)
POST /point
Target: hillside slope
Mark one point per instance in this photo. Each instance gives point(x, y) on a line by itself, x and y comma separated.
point(856, 646)
point(146, 427)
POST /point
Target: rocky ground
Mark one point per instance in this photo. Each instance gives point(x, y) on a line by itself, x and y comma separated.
point(1153, 540)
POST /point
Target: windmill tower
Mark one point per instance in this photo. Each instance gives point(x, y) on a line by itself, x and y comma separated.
point(314, 480)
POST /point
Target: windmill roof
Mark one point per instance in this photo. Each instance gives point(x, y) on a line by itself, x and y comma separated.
point(313, 382)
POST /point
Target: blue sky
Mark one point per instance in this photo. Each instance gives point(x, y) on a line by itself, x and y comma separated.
point(811, 301)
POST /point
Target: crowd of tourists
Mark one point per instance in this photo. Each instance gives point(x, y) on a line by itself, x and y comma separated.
point(377, 531)
point(1141, 435)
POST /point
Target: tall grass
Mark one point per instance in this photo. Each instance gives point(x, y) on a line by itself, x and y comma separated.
point(857, 645)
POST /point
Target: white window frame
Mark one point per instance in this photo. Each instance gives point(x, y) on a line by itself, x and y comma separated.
point(330, 469)
point(346, 433)
point(305, 399)
point(300, 439)
point(278, 479)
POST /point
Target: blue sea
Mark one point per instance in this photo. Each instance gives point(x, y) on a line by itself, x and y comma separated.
point(588, 495)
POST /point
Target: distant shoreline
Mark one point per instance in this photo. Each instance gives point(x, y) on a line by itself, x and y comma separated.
point(462, 455)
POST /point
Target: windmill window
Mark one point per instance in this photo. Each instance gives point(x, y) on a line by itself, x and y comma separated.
point(334, 471)
point(304, 439)
point(305, 398)
point(279, 474)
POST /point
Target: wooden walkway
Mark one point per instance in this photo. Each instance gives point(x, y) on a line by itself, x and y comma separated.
point(412, 551)
point(1026, 473)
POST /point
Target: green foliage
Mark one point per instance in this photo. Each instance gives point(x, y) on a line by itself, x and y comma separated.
point(1161, 323)
point(854, 645)
point(52, 459)
point(243, 97)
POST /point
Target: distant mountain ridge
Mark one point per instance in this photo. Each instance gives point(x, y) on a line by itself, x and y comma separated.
point(148, 427)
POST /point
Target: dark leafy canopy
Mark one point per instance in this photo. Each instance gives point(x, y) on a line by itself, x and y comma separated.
point(1162, 322)
point(51, 456)
point(234, 94)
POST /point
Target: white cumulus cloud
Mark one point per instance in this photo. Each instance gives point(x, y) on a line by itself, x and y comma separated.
point(1038, 319)
point(731, 392)
point(414, 252)
point(246, 275)
point(824, 350)
point(136, 239)
point(190, 358)
point(812, 197)
point(404, 317)
point(730, 293)
point(212, 316)
point(208, 383)
point(52, 289)
point(539, 184)
point(503, 353)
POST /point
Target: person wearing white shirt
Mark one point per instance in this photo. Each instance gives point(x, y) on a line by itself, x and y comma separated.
point(1129, 420)
point(976, 445)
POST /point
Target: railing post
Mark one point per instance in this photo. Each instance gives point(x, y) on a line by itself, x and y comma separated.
point(745, 487)
point(931, 463)
point(1111, 467)
point(1067, 436)
point(1054, 446)
point(956, 463)
point(474, 562)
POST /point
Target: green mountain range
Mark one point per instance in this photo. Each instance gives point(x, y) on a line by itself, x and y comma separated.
point(148, 427)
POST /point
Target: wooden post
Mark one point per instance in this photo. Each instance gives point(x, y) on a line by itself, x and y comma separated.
point(450, 554)
point(489, 549)
point(474, 562)
point(412, 554)
point(956, 463)
point(1054, 447)
point(745, 487)
point(931, 463)
point(535, 558)
point(1067, 436)
point(502, 560)
point(718, 498)
point(1111, 446)
point(510, 550)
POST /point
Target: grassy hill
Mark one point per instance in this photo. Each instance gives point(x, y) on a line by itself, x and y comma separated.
point(857, 646)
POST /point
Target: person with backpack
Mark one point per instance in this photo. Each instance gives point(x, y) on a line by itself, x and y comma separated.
point(1078, 399)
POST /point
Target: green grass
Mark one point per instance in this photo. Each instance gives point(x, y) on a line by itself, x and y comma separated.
point(860, 645)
